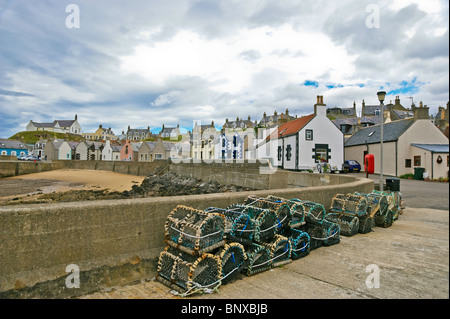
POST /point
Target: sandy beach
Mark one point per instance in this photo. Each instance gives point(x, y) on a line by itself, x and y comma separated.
point(65, 180)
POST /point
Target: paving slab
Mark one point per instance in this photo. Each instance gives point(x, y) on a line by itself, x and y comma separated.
point(410, 260)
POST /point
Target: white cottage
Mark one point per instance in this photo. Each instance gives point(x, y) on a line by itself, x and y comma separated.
point(303, 143)
point(111, 152)
point(407, 144)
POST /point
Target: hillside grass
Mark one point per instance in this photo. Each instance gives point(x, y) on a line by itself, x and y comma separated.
point(31, 137)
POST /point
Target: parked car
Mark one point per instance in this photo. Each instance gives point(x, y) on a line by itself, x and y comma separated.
point(353, 166)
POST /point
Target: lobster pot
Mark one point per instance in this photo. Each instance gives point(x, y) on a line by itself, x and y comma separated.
point(332, 233)
point(314, 212)
point(281, 208)
point(338, 203)
point(300, 243)
point(280, 250)
point(356, 204)
point(194, 231)
point(366, 224)
point(229, 214)
point(182, 271)
point(348, 225)
point(398, 207)
point(380, 202)
point(394, 203)
point(258, 259)
point(297, 210)
point(385, 220)
point(255, 224)
point(315, 233)
point(232, 258)
point(351, 204)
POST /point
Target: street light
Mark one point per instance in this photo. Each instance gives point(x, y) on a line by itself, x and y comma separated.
point(381, 96)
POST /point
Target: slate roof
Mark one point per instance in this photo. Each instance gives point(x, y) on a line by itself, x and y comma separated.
point(433, 148)
point(369, 110)
point(65, 123)
point(391, 132)
point(61, 123)
point(12, 144)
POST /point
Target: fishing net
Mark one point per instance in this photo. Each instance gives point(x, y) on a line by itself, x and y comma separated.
point(254, 224)
point(258, 259)
point(194, 231)
point(297, 210)
point(232, 257)
point(184, 272)
point(300, 246)
point(348, 225)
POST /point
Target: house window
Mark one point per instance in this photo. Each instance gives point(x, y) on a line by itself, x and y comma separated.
point(309, 135)
point(321, 153)
point(3, 153)
point(126, 149)
point(288, 152)
point(13, 153)
point(279, 153)
point(223, 154)
point(408, 162)
point(417, 161)
point(234, 141)
point(158, 156)
point(234, 154)
point(223, 142)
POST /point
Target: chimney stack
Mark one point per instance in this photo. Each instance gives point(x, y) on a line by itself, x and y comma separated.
point(421, 112)
point(320, 106)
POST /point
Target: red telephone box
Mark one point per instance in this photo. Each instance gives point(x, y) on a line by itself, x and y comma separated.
point(369, 164)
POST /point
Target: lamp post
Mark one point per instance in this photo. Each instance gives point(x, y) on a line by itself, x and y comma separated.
point(381, 96)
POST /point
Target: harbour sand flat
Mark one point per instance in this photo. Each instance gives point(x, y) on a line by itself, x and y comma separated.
point(65, 180)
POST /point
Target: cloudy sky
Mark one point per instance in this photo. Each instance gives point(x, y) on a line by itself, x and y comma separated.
point(147, 63)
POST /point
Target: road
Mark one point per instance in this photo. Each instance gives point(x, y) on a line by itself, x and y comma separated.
point(411, 258)
point(419, 193)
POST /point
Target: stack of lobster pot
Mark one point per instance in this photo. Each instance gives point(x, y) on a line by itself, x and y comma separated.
point(197, 256)
point(319, 231)
point(350, 212)
point(265, 247)
point(391, 206)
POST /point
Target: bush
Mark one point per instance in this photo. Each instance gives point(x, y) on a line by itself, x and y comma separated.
point(406, 176)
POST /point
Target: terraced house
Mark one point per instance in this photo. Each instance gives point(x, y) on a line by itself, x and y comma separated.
point(12, 147)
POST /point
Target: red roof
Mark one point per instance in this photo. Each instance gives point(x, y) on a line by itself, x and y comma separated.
point(291, 127)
